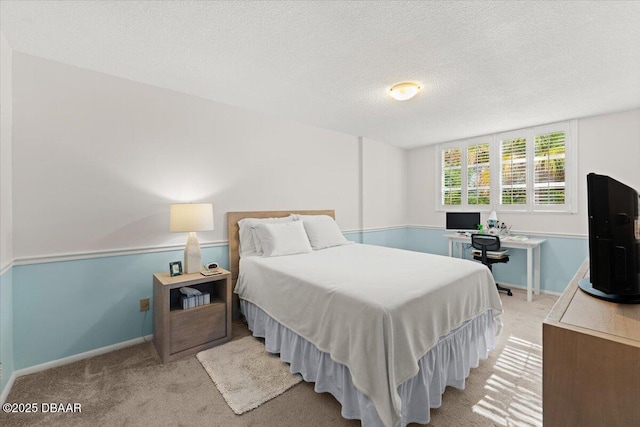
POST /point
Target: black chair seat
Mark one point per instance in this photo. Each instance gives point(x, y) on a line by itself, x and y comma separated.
point(485, 243)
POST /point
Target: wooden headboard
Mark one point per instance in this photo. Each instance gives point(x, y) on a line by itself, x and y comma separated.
point(234, 232)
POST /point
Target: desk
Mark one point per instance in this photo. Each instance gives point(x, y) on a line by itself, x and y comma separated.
point(533, 257)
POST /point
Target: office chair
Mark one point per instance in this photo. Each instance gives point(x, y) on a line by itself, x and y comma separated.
point(487, 242)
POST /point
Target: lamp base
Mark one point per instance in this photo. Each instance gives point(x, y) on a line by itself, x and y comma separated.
point(192, 255)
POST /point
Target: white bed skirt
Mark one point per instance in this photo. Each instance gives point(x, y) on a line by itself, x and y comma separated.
point(446, 364)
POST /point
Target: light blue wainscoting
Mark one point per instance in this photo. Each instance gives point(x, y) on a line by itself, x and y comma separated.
point(560, 257)
point(354, 236)
point(6, 326)
point(390, 237)
point(65, 308)
point(429, 240)
point(71, 307)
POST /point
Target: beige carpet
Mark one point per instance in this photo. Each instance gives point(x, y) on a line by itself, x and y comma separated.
point(245, 374)
point(130, 387)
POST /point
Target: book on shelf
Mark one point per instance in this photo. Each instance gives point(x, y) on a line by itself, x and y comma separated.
point(193, 301)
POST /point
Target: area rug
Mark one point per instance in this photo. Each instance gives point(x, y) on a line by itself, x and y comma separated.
point(246, 374)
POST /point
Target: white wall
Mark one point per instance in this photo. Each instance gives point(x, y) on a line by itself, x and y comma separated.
point(421, 187)
point(384, 185)
point(6, 117)
point(610, 145)
point(98, 159)
point(6, 224)
point(607, 144)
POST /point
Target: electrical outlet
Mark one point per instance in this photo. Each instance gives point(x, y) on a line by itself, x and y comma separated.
point(144, 304)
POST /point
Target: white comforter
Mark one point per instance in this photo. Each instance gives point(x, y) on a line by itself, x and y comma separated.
point(376, 310)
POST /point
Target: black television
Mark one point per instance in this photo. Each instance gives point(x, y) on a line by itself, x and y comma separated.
point(463, 221)
point(614, 241)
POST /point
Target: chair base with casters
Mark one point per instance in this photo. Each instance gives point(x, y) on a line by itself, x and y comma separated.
point(486, 243)
point(503, 289)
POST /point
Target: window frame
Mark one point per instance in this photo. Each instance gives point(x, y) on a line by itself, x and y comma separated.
point(514, 134)
point(464, 174)
point(441, 178)
point(475, 142)
point(570, 128)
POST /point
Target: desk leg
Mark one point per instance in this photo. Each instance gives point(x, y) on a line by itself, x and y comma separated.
point(529, 274)
point(450, 247)
point(536, 283)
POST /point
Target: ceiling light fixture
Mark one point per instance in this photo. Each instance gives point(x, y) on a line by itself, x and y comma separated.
point(404, 91)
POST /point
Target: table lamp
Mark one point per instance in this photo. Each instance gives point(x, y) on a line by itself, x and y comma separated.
point(191, 217)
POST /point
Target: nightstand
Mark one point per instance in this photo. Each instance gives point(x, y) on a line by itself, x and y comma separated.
point(179, 332)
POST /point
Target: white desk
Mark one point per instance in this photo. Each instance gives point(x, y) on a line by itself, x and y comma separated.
point(533, 257)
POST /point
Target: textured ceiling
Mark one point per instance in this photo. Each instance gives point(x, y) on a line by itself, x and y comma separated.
point(485, 66)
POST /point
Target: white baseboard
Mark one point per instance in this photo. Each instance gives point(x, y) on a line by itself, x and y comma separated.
point(7, 388)
point(70, 359)
point(80, 356)
point(524, 288)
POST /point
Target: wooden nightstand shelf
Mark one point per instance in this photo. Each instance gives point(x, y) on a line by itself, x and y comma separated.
point(177, 332)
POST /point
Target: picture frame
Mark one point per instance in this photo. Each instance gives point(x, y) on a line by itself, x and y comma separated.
point(175, 268)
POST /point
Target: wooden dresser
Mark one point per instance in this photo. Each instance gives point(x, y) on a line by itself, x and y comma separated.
point(591, 361)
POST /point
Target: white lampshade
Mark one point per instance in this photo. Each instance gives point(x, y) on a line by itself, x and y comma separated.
point(191, 217)
point(187, 217)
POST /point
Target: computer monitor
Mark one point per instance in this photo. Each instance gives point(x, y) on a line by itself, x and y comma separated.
point(463, 221)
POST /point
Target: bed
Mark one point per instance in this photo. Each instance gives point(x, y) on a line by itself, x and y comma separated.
point(383, 330)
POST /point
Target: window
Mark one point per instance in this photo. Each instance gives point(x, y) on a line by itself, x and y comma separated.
point(466, 174)
point(549, 186)
point(513, 171)
point(452, 176)
point(527, 170)
point(478, 175)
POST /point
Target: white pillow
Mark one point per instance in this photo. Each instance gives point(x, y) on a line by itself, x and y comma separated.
point(247, 240)
point(283, 238)
point(322, 230)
